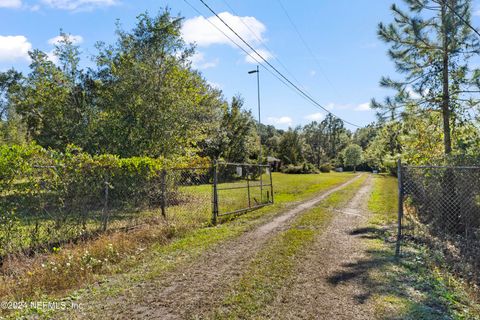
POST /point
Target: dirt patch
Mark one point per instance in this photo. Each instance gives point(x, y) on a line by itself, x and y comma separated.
point(325, 285)
point(198, 287)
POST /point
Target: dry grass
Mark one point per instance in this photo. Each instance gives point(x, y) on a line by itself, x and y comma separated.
point(72, 266)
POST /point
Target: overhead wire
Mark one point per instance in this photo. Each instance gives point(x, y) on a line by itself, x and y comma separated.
point(239, 46)
point(299, 90)
point(262, 42)
point(305, 44)
point(462, 18)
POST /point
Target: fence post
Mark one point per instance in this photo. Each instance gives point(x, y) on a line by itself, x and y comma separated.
point(105, 206)
point(215, 193)
point(271, 182)
point(400, 207)
point(163, 190)
point(248, 191)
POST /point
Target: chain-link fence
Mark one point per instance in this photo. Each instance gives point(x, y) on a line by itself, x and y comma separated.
point(239, 188)
point(45, 205)
point(440, 206)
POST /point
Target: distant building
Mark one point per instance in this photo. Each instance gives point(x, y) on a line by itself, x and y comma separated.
point(274, 163)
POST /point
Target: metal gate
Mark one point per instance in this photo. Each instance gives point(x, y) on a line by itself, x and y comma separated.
point(239, 188)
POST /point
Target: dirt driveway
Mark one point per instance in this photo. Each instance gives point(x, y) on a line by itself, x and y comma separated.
point(193, 290)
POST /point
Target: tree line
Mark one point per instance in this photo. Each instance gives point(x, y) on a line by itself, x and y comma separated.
point(142, 97)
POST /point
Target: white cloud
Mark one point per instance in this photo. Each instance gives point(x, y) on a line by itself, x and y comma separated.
point(215, 85)
point(201, 31)
point(75, 39)
point(75, 5)
point(199, 62)
point(14, 48)
point(52, 56)
point(264, 53)
point(363, 107)
point(10, 3)
point(315, 116)
point(280, 121)
point(338, 106)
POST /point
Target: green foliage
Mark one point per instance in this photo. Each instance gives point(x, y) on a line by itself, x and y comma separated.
point(363, 136)
point(326, 167)
point(290, 148)
point(152, 102)
point(305, 168)
point(142, 98)
point(236, 138)
point(353, 156)
point(60, 196)
point(432, 46)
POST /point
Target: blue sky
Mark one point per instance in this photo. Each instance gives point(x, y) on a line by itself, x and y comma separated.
point(342, 73)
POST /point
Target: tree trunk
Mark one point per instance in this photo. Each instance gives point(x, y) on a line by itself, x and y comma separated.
point(450, 216)
point(447, 141)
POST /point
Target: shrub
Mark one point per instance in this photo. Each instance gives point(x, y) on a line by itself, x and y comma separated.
point(325, 168)
point(60, 196)
point(305, 168)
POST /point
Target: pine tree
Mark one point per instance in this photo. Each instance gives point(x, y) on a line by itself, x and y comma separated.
point(431, 45)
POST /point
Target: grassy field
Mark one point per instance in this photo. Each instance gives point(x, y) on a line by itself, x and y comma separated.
point(147, 251)
point(412, 287)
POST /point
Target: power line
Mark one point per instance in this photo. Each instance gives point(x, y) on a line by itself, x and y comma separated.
point(275, 69)
point(239, 46)
point(305, 44)
point(262, 42)
point(255, 59)
point(462, 18)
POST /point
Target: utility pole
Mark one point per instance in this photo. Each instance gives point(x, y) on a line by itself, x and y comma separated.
point(257, 71)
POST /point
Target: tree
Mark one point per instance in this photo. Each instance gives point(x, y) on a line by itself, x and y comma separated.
point(291, 146)
point(12, 130)
point(316, 140)
point(363, 136)
point(236, 139)
point(270, 137)
point(51, 99)
point(151, 102)
point(431, 45)
point(336, 136)
point(353, 156)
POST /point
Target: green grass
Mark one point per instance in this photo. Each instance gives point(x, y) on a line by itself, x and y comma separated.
point(190, 236)
point(194, 210)
point(412, 287)
point(272, 266)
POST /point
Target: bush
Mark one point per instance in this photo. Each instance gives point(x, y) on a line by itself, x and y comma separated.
point(305, 168)
point(325, 168)
point(59, 196)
